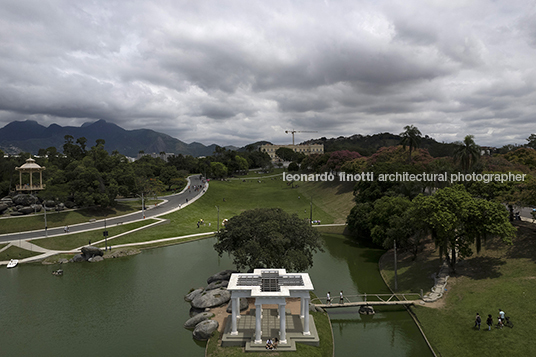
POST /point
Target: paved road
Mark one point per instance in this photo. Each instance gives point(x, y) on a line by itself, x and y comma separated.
point(170, 204)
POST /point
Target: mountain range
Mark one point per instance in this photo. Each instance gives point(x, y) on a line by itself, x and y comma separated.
point(30, 136)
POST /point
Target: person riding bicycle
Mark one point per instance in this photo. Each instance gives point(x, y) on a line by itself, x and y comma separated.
point(501, 318)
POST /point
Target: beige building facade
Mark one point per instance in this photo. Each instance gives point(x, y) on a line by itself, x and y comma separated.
point(304, 149)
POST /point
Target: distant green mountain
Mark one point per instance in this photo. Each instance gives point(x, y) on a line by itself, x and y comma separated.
point(29, 136)
point(369, 144)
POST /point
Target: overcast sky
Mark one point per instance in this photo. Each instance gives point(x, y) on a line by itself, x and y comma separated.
point(234, 72)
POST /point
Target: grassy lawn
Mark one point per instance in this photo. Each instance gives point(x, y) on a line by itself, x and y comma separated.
point(324, 350)
point(410, 276)
point(16, 253)
point(75, 240)
point(3, 245)
point(500, 276)
point(236, 196)
point(60, 219)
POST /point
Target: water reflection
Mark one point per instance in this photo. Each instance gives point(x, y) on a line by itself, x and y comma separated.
point(134, 306)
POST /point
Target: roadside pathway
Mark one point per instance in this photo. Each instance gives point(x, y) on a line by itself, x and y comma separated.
point(171, 204)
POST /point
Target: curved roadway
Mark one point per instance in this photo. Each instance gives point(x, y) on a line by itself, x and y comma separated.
point(171, 203)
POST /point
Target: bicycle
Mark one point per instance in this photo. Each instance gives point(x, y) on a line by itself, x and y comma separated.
point(506, 322)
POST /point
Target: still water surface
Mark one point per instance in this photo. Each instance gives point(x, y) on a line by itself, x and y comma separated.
point(134, 306)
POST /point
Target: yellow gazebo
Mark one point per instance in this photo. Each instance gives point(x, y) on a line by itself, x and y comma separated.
point(30, 167)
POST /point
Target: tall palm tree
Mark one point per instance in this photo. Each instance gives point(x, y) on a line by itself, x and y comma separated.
point(411, 137)
point(467, 153)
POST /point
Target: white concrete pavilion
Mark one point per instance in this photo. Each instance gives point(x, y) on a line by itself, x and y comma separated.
point(271, 287)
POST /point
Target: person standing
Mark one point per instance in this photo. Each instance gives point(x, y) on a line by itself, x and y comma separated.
point(341, 298)
point(478, 321)
point(489, 322)
point(328, 298)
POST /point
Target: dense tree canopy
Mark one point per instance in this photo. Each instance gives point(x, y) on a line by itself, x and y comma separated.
point(269, 238)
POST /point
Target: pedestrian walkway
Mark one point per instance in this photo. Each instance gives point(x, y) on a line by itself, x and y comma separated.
point(18, 239)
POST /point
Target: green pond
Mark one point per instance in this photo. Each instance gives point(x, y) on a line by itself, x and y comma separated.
point(134, 306)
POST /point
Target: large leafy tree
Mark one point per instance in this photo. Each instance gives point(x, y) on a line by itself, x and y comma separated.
point(269, 238)
point(457, 221)
point(411, 137)
point(467, 153)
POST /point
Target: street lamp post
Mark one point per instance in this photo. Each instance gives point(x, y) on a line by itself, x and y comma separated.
point(105, 234)
point(218, 208)
point(142, 206)
point(45, 208)
point(311, 212)
point(396, 280)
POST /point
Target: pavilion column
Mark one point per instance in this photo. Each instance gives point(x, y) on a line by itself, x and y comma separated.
point(20, 179)
point(31, 183)
point(234, 307)
point(306, 330)
point(258, 317)
point(282, 323)
point(302, 307)
point(40, 179)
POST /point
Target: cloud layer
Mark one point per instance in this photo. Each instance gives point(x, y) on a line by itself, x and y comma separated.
point(234, 72)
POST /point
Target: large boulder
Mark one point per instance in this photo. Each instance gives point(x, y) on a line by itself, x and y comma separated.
point(37, 208)
point(222, 275)
point(7, 200)
point(78, 258)
point(192, 322)
point(211, 298)
point(217, 284)
point(49, 204)
point(91, 251)
point(195, 311)
point(26, 210)
point(24, 199)
point(3, 207)
point(192, 294)
point(204, 330)
point(243, 305)
point(70, 204)
point(95, 259)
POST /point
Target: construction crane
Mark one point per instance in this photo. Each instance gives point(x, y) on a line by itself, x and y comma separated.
point(294, 131)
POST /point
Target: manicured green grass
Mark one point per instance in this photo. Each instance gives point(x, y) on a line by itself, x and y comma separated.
point(325, 349)
point(3, 245)
point(500, 276)
point(235, 196)
point(75, 240)
point(16, 253)
point(66, 218)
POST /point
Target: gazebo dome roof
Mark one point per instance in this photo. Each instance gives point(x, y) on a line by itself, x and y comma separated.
point(30, 165)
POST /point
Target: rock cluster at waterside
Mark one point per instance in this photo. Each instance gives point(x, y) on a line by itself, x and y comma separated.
point(202, 299)
point(89, 254)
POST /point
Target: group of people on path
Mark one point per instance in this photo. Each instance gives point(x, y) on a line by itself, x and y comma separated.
point(328, 298)
point(489, 320)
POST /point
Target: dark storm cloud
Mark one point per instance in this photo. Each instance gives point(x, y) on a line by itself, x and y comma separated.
point(243, 71)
